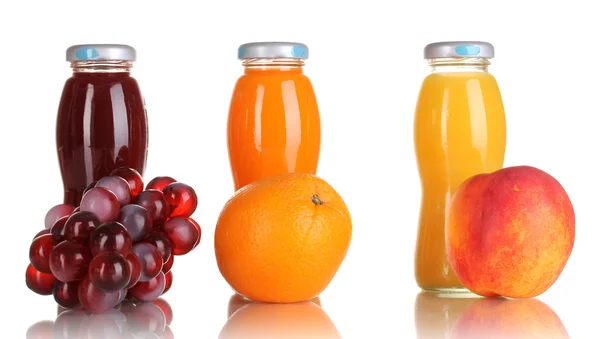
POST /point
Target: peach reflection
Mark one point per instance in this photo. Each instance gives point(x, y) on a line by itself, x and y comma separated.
point(249, 319)
point(470, 317)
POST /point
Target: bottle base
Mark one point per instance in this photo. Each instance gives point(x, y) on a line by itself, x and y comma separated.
point(449, 292)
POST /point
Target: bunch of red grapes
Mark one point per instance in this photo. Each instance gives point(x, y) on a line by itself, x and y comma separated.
point(119, 243)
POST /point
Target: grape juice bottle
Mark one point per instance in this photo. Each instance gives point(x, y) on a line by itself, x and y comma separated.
point(102, 122)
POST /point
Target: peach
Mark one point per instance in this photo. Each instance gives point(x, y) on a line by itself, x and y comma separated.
point(510, 232)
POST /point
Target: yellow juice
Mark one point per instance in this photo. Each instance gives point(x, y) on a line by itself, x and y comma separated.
point(460, 131)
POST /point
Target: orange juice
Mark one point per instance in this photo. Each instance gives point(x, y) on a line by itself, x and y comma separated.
point(274, 125)
point(460, 131)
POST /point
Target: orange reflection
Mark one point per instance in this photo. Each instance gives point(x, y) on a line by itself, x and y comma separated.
point(491, 318)
point(237, 301)
point(248, 319)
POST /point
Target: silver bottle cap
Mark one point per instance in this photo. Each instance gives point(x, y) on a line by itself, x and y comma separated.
point(273, 50)
point(459, 49)
point(106, 52)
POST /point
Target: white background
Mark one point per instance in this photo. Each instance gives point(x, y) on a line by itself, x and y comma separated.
point(366, 66)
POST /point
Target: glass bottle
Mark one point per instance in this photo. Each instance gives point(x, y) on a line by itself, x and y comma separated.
point(274, 125)
point(460, 131)
point(102, 122)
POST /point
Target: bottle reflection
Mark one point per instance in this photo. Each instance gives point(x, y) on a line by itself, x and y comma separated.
point(249, 319)
point(129, 320)
point(435, 314)
point(470, 317)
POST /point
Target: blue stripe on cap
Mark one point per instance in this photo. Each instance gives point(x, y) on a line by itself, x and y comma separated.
point(86, 53)
point(467, 50)
point(241, 52)
point(299, 51)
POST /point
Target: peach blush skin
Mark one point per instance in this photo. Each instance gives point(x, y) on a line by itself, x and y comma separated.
point(510, 233)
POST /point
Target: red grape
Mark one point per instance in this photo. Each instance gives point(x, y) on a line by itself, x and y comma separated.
point(89, 187)
point(160, 241)
point(58, 230)
point(150, 260)
point(133, 177)
point(167, 266)
point(182, 233)
point(147, 317)
point(117, 185)
point(109, 271)
point(181, 198)
point(42, 232)
point(136, 220)
point(38, 282)
point(168, 281)
point(135, 268)
point(166, 308)
point(199, 231)
point(149, 290)
point(154, 202)
point(159, 183)
point(102, 202)
point(80, 226)
point(77, 209)
point(94, 299)
point(56, 213)
point(69, 262)
point(111, 236)
point(65, 294)
point(39, 253)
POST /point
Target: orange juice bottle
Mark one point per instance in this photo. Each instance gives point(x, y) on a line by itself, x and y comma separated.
point(274, 125)
point(460, 131)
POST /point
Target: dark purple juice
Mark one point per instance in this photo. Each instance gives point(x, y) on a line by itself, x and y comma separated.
point(101, 125)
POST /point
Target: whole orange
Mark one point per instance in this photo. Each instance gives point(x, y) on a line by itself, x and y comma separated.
point(283, 238)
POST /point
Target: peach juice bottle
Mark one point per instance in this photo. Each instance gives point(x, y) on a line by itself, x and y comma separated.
point(460, 131)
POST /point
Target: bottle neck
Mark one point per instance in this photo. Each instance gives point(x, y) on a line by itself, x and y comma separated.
point(101, 66)
point(284, 65)
point(439, 65)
